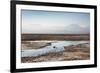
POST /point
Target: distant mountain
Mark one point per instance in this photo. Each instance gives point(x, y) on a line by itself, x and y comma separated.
point(66, 29)
point(77, 29)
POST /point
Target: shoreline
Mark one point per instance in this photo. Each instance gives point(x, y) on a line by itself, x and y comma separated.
point(72, 52)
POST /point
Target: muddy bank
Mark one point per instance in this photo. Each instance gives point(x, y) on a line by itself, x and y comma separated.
point(72, 52)
point(35, 45)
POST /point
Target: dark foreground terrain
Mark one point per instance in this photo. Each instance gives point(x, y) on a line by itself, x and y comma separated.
point(55, 37)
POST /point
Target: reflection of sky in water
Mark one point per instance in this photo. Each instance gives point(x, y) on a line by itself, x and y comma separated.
point(59, 47)
point(67, 43)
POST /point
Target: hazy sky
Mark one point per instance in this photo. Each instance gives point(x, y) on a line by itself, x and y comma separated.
point(51, 22)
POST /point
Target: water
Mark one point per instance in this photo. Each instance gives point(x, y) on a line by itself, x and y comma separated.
point(56, 46)
point(67, 43)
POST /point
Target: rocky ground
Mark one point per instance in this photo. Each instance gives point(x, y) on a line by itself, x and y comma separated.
point(72, 52)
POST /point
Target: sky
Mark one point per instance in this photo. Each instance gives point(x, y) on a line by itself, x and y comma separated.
point(52, 22)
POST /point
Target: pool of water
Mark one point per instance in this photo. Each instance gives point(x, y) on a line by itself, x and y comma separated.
point(67, 43)
point(55, 46)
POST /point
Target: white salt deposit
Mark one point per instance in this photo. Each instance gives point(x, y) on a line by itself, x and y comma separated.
point(42, 51)
point(57, 46)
